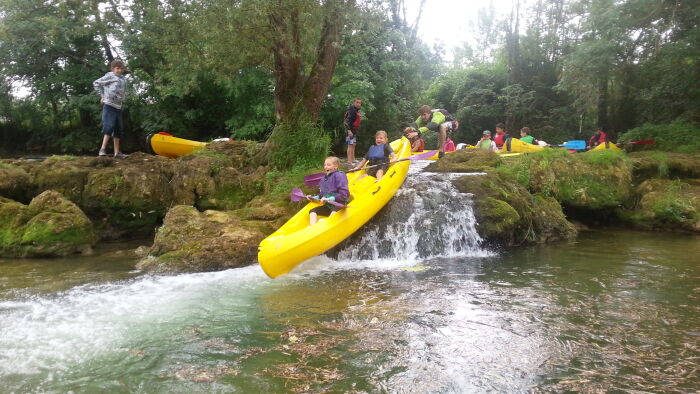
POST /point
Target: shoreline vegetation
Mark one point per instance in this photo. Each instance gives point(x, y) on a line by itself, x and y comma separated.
point(209, 210)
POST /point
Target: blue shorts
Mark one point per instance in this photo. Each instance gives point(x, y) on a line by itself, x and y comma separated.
point(112, 124)
point(351, 140)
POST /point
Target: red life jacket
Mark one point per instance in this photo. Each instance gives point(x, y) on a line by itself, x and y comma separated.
point(420, 146)
point(499, 139)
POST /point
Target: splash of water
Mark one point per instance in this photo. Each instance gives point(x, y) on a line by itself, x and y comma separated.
point(427, 218)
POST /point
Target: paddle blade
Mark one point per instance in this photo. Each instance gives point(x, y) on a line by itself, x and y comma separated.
point(421, 156)
point(297, 195)
point(642, 142)
point(314, 179)
point(575, 144)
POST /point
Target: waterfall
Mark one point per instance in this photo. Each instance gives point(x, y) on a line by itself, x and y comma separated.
point(428, 217)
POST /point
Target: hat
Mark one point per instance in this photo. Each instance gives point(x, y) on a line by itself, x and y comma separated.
point(486, 132)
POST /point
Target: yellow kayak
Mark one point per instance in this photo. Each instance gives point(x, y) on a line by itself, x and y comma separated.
point(164, 144)
point(516, 145)
point(606, 145)
point(296, 241)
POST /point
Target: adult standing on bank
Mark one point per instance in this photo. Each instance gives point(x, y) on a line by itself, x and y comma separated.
point(352, 126)
point(112, 90)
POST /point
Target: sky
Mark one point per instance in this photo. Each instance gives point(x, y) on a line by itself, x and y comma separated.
point(450, 23)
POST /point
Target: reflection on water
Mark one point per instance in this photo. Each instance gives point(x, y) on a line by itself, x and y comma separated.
point(614, 311)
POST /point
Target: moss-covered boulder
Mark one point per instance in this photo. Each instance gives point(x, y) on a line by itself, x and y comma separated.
point(15, 182)
point(508, 212)
point(193, 241)
point(466, 160)
point(130, 197)
point(667, 165)
point(593, 180)
point(64, 174)
point(50, 225)
point(666, 204)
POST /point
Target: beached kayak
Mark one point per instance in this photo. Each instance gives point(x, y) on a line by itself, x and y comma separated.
point(166, 145)
point(296, 241)
point(516, 145)
point(606, 145)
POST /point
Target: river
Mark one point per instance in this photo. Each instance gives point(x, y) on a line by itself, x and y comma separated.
point(616, 310)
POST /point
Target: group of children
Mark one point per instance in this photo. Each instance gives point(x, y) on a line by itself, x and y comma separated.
point(334, 184)
point(496, 142)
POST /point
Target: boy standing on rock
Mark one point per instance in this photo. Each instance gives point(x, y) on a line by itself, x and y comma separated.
point(112, 90)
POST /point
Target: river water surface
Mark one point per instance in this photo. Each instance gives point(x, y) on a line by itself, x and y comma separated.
point(614, 311)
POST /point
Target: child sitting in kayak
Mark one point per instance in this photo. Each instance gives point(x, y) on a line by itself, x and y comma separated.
point(334, 187)
point(526, 137)
point(417, 142)
point(378, 155)
point(486, 143)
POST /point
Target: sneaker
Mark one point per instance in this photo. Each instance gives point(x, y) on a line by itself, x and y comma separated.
point(103, 152)
point(120, 155)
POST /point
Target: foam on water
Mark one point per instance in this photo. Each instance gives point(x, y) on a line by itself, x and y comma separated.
point(427, 218)
point(55, 332)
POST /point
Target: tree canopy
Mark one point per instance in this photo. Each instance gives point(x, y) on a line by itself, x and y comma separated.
point(283, 71)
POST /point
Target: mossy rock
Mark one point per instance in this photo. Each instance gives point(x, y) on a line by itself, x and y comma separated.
point(593, 180)
point(666, 204)
point(653, 164)
point(68, 180)
point(508, 212)
point(466, 160)
point(15, 183)
point(50, 225)
point(497, 217)
point(193, 241)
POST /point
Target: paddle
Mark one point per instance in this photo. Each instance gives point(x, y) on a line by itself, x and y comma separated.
point(315, 179)
point(642, 142)
point(298, 195)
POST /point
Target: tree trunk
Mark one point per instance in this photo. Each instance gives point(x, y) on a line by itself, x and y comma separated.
point(603, 99)
point(299, 98)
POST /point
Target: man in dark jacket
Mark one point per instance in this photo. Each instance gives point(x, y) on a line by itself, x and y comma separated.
point(352, 126)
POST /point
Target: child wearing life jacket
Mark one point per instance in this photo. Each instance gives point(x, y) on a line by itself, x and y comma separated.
point(526, 137)
point(378, 155)
point(501, 136)
point(486, 143)
point(417, 142)
point(333, 187)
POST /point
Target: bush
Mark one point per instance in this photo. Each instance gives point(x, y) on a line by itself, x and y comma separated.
point(299, 144)
point(678, 136)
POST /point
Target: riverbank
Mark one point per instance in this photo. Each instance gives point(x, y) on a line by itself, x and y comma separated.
point(209, 210)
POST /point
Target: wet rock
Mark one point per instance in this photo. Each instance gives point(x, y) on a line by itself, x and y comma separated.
point(50, 225)
point(193, 241)
point(509, 213)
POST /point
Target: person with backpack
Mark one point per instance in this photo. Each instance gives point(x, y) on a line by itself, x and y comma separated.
point(438, 120)
point(351, 121)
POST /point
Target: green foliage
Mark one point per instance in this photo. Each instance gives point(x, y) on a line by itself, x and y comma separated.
point(301, 143)
point(679, 136)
